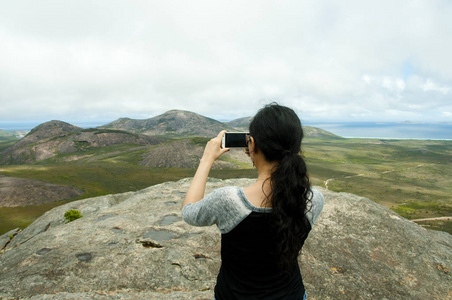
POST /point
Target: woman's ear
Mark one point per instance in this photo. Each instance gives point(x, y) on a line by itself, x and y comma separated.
point(252, 145)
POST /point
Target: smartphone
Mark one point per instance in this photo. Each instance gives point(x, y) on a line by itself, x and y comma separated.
point(234, 140)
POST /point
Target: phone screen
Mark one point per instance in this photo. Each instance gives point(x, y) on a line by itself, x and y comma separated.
point(235, 139)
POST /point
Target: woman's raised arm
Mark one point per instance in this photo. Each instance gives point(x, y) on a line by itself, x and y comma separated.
point(211, 153)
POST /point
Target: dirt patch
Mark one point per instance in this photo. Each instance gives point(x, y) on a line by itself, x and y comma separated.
point(22, 192)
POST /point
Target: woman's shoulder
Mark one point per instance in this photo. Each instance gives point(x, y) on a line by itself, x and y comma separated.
point(230, 207)
point(228, 188)
point(226, 191)
point(226, 196)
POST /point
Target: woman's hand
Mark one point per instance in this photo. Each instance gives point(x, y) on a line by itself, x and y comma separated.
point(212, 152)
point(213, 148)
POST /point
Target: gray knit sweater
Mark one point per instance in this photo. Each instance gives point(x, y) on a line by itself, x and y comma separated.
point(228, 206)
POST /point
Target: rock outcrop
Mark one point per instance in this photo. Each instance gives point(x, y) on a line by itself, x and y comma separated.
point(136, 246)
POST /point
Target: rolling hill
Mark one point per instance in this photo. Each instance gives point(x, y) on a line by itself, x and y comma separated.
point(56, 137)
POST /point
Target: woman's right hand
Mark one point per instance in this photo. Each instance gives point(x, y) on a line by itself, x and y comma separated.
point(213, 148)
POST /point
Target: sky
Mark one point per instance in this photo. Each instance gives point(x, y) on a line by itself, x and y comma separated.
point(328, 60)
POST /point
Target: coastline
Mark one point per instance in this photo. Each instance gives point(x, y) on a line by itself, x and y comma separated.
point(388, 130)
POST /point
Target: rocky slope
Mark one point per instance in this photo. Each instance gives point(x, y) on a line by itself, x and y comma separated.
point(56, 137)
point(172, 123)
point(135, 246)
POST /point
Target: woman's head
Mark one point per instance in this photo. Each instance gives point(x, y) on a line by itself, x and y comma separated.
point(277, 134)
point(276, 131)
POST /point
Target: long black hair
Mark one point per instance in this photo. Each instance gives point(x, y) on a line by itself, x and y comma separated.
point(277, 133)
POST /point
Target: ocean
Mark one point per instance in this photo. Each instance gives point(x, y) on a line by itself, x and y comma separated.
point(388, 130)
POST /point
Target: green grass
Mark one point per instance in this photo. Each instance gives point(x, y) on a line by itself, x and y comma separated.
point(412, 177)
point(200, 141)
point(95, 179)
point(6, 142)
point(440, 225)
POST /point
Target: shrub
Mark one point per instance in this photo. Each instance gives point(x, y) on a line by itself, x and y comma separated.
point(72, 215)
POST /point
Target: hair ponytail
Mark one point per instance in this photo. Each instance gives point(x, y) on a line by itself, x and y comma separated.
point(289, 197)
point(278, 133)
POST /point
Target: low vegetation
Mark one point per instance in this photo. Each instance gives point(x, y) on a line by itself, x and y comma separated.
point(7, 141)
point(72, 215)
point(411, 177)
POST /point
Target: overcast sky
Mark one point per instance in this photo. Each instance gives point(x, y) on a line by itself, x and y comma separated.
point(329, 60)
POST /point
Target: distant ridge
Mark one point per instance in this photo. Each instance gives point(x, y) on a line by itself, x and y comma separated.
point(175, 123)
point(243, 124)
point(314, 132)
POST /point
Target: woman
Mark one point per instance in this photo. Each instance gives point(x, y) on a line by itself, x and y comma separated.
point(263, 226)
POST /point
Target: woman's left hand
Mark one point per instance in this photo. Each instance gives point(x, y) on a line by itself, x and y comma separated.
point(213, 148)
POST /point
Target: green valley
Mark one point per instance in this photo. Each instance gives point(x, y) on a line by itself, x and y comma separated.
point(411, 177)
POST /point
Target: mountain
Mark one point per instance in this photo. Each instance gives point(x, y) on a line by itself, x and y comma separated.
point(241, 123)
point(56, 137)
point(136, 246)
point(176, 123)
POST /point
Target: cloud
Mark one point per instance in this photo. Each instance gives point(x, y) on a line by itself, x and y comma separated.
point(429, 85)
point(351, 60)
